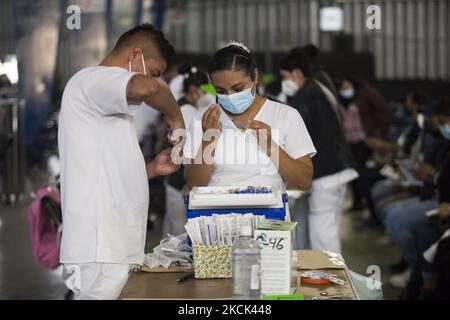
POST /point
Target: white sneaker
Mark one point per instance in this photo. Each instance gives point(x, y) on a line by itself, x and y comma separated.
point(400, 281)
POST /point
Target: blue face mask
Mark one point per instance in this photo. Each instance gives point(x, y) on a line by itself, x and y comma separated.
point(347, 93)
point(238, 102)
point(445, 130)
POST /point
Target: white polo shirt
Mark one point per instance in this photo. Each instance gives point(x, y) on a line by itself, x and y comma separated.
point(104, 186)
point(238, 160)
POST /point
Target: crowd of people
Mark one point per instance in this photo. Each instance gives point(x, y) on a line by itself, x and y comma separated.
point(341, 132)
point(318, 134)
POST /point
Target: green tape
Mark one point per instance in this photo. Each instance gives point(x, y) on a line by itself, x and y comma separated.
point(285, 297)
point(208, 88)
point(267, 78)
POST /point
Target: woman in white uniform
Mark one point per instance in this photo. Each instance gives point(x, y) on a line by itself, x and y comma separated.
point(246, 139)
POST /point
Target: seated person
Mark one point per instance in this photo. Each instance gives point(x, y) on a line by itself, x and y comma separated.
point(406, 221)
point(409, 145)
point(433, 160)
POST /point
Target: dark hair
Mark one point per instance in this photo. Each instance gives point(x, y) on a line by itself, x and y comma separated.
point(296, 59)
point(185, 67)
point(233, 58)
point(350, 78)
point(145, 34)
point(419, 96)
point(443, 108)
point(312, 52)
point(196, 79)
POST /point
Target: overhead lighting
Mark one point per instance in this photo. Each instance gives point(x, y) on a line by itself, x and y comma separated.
point(331, 19)
point(8, 66)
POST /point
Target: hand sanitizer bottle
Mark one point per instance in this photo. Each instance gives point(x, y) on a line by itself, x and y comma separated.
point(246, 266)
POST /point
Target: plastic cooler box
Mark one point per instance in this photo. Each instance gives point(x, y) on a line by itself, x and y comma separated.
point(205, 201)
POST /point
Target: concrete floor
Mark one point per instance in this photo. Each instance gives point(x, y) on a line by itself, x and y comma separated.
point(22, 278)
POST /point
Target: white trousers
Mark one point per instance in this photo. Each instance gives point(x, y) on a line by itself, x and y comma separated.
point(96, 281)
point(325, 206)
point(175, 217)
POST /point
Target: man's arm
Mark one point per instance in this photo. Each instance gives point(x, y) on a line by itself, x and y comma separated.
point(154, 92)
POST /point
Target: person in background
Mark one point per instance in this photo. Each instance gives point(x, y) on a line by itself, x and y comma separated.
point(374, 118)
point(415, 104)
point(104, 179)
point(333, 164)
point(174, 76)
point(175, 218)
point(313, 53)
point(406, 221)
point(409, 145)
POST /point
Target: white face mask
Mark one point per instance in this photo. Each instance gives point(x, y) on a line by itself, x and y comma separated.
point(420, 120)
point(289, 87)
point(143, 64)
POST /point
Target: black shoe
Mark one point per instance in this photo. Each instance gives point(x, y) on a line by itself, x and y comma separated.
point(370, 223)
point(356, 207)
point(399, 267)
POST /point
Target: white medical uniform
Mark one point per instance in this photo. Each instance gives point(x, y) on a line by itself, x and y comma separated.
point(238, 160)
point(176, 86)
point(175, 217)
point(104, 186)
point(325, 206)
point(326, 200)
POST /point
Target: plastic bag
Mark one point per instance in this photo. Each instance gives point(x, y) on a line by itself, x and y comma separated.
point(171, 250)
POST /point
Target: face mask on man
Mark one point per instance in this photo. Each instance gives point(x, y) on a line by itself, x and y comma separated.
point(289, 87)
point(143, 64)
point(445, 130)
point(238, 102)
point(347, 93)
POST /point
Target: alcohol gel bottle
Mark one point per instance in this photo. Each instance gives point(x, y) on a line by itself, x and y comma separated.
point(246, 266)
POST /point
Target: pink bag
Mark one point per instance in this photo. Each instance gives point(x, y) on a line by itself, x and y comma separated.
point(45, 229)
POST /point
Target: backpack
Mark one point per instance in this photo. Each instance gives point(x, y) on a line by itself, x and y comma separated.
point(44, 216)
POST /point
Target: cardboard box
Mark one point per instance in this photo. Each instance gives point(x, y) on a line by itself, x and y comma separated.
point(276, 239)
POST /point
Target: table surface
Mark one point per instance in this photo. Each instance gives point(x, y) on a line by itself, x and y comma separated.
point(164, 286)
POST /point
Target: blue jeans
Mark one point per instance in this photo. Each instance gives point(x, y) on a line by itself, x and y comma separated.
point(410, 229)
point(382, 189)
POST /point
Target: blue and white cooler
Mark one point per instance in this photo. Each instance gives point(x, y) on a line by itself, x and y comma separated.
point(259, 200)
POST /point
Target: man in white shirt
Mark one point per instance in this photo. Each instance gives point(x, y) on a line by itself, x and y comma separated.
point(104, 179)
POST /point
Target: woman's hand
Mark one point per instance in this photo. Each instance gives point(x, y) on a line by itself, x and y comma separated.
point(211, 118)
point(424, 171)
point(263, 135)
